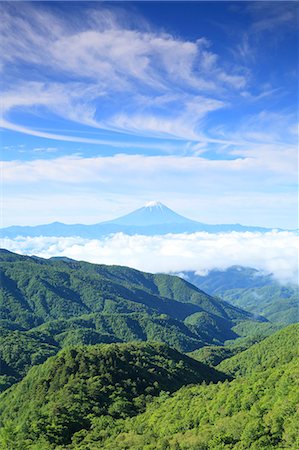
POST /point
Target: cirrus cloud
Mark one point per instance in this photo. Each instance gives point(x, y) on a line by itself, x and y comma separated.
point(104, 64)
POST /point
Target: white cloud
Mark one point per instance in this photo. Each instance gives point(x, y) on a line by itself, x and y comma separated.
point(278, 16)
point(110, 52)
point(45, 150)
point(111, 72)
point(135, 168)
point(184, 126)
point(273, 252)
point(165, 146)
point(114, 64)
point(266, 17)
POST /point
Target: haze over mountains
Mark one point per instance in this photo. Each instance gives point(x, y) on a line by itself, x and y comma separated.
point(152, 219)
point(251, 289)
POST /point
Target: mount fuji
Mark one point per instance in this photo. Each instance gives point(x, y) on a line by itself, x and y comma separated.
point(153, 213)
point(152, 219)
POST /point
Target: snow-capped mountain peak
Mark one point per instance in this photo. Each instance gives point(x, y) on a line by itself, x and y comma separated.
point(154, 204)
point(153, 213)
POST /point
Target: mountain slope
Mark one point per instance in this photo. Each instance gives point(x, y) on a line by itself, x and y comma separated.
point(154, 218)
point(57, 399)
point(36, 290)
point(249, 333)
point(46, 305)
point(280, 348)
point(153, 213)
point(234, 277)
point(86, 287)
point(257, 411)
point(19, 351)
point(275, 302)
point(252, 290)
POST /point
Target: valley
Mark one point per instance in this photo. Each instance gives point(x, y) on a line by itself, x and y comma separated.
point(149, 292)
point(108, 357)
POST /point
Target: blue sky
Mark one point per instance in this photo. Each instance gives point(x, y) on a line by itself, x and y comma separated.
point(109, 105)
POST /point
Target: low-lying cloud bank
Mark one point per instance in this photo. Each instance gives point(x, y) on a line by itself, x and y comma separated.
point(273, 252)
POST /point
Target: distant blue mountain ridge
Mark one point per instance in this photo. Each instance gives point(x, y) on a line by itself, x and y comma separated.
point(152, 219)
point(250, 289)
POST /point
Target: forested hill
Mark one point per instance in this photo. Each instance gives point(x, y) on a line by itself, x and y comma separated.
point(59, 398)
point(40, 289)
point(81, 303)
point(259, 412)
point(118, 394)
point(274, 350)
point(93, 397)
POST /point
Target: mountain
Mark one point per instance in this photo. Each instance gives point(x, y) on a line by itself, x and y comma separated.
point(234, 277)
point(59, 398)
point(279, 348)
point(255, 412)
point(19, 351)
point(250, 333)
point(46, 305)
point(35, 290)
point(252, 290)
point(154, 218)
point(123, 390)
point(146, 395)
point(153, 213)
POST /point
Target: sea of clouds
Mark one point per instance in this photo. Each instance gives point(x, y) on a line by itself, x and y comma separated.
point(272, 252)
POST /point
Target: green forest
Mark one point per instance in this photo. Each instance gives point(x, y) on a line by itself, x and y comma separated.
point(106, 357)
point(253, 290)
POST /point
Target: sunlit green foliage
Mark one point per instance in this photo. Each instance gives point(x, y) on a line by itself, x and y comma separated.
point(279, 348)
point(256, 412)
point(277, 303)
point(253, 333)
point(111, 395)
point(63, 395)
point(35, 290)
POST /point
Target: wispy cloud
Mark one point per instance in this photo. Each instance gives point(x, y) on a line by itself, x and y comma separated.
point(277, 17)
point(269, 24)
point(114, 143)
point(141, 83)
point(274, 252)
point(111, 53)
point(109, 74)
point(114, 65)
point(42, 150)
point(220, 118)
point(76, 169)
